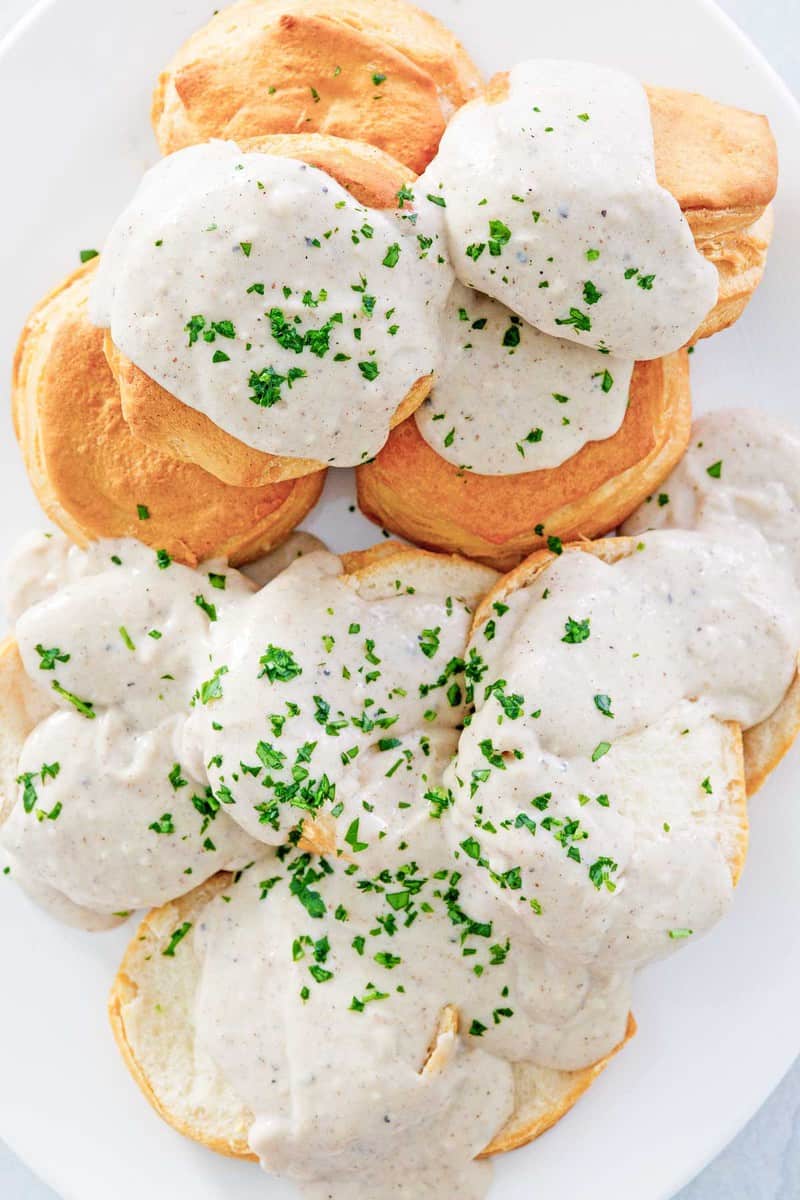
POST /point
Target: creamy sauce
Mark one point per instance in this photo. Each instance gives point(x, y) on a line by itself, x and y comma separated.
point(553, 208)
point(359, 1083)
point(740, 478)
point(503, 919)
point(509, 398)
point(353, 1092)
point(57, 905)
point(259, 292)
point(38, 565)
point(107, 819)
point(542, 873)
point(310, 676)
point(646, 652)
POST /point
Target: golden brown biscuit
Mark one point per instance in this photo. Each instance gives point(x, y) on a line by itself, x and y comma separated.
point(162, 421)
point(381, 71)
point(767, 743)
point(409, 489)
point(719, 162)
point(89, 472)
point(721, 165)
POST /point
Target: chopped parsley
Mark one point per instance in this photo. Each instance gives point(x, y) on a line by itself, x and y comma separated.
point(576, 631)
point(84, 707)
point(429, 641)
point(278, 665)
point(208, 608)
point(49, 658)
point(126, 637)
point(577, 319)
point(392, 256)
point(177, 937)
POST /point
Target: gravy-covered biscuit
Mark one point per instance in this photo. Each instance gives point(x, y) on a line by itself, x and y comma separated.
point(95, 479)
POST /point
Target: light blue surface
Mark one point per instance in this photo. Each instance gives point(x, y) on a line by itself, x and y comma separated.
point(763, 1163)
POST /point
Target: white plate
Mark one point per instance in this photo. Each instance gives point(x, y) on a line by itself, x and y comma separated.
point(718, 1024)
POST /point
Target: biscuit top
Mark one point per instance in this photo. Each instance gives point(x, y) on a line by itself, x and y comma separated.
point(259, 292)
point(509, 399)
point(553, 207)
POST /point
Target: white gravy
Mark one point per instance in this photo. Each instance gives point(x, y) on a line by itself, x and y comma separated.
point(553, 208)
point(509, 399)
point(259, 292)
point(545, 878)
point(308, 677)
point(554, 817)
point(107, 817)
point(739, 478)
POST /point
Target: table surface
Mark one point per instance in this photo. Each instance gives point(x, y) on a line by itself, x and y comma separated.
point(763, 1163)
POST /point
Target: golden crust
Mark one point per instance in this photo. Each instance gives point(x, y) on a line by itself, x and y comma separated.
point(285, 66)
point(740, 256)
point(467, 579)
point(762, 746)
point(716, 160)
point(721, 165)
point(371, 175)
point(89, 472)
point(149, 942)
point(161, 420)
point(544, 1097)
point(767, 743)
point(411, 490)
